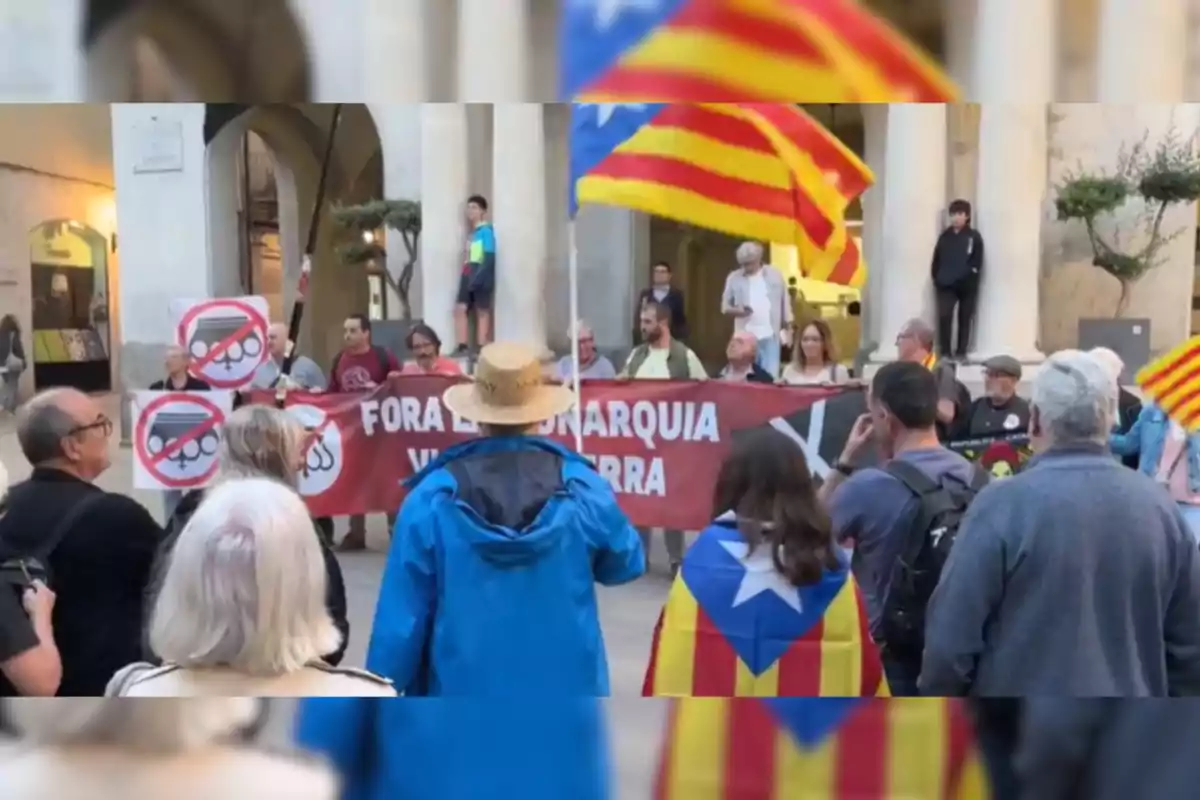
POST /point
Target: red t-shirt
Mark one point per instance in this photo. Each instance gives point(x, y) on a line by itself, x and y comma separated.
point(441, 366)
point(355, 372)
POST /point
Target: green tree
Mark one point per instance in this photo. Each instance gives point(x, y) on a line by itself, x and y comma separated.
point(1157, 176)
point(402, 217)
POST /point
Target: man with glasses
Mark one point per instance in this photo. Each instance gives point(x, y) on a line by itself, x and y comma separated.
point(97, 547)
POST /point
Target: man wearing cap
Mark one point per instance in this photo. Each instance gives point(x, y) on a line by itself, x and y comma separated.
point(489, 585)
point(1000, 410)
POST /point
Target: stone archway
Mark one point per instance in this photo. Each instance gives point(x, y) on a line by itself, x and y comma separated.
point(215, 49)
point(295, 136)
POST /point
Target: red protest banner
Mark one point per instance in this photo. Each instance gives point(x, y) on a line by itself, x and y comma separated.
point(659, 443)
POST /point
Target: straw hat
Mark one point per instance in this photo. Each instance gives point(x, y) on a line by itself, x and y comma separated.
point(508, 389)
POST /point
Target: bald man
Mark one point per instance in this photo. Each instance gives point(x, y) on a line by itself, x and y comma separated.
point(742, 360)
point(175, 363)
point(305, 374)
point(99, 547)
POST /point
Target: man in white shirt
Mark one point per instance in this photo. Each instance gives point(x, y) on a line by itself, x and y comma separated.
point(756, 297)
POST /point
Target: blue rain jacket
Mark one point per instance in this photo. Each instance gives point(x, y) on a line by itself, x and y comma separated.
point(461, 748)
point(489, 587)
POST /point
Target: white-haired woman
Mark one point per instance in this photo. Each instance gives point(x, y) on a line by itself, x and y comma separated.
point(241, 608)
point(1129, 405)
point(262, 441)
point(181, 748)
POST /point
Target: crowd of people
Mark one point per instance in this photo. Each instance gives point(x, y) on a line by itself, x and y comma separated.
point(906, 572)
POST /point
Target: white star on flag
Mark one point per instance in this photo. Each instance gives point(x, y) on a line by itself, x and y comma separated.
point(606, 111)
point(609, 11)
point(761, 576)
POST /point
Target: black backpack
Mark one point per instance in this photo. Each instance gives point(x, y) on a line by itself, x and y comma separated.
point(926, 548)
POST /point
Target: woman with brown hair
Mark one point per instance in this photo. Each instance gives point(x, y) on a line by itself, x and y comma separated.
point(764, 604)
point(814, 358)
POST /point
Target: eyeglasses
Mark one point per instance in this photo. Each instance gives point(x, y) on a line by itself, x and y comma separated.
point(103, 423)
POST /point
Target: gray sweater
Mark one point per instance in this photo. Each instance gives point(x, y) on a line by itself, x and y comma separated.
point(1076, 578)
point(1109, 749)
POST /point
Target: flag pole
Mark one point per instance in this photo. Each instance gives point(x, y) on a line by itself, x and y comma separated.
point(573, 284)
point(306, 264)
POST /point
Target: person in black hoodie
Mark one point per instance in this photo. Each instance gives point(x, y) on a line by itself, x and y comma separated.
point(261, 441)
point(957, 264)
point(661, 291)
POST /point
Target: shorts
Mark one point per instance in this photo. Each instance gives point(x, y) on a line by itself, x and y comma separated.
point(478, 299)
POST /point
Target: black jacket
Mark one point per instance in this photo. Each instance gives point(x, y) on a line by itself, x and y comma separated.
point(335, 588)
point(192, 385)
point(100, 570)
point(673, 301)
point(957, 257)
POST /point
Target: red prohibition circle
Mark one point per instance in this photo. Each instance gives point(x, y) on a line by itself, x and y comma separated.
point(252, 315)
point(139, 438)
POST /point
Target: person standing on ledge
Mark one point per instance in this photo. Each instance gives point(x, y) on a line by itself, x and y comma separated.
point(477, 285)
point(957, 265)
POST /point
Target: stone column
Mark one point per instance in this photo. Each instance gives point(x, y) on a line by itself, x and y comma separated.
point(1011, 192)
point(159, 169)
point(519, 214)
point(41, 59)
point(395, 51)
point(998, 76)
point(913, 186)
point(1143, 47)
point(444, 190)
point(399, 127)
point(875, 135)
point(493, 42)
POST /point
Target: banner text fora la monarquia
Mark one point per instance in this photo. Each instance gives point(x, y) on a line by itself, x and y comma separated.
point(659, 444)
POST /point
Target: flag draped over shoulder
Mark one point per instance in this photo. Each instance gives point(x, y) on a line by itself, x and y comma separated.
point(1173, 382)
point(819, 749)
point(764, 171)
point(733, 627)
point(829, 51)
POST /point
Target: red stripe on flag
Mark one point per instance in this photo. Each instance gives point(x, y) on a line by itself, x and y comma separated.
point(876, 43)
point(959, 738)
point(730, 130)
point(810, 137)
point(1177, 381)
point(750, 751)
point(800, 665)
point(847, 265)
point(872, 665)
point(665, 85)
point(662, 776)
point(652, 667)
point(714, 661)
point(719, 18)
point(1168, 372)
point(862, 752)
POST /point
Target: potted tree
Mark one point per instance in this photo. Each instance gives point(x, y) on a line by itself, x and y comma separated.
point(1152, 177)
point(364, 249)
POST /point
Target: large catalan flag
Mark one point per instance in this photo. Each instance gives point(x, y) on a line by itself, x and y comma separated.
point(764, 171)
point(1173, 381)
point(820, 749)
point(733, 627)
point(687, 51)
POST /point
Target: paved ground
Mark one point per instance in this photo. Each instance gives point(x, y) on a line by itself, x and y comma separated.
point(628, 614)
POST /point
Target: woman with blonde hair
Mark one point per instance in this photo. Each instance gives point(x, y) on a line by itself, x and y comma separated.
point(241, 609)
point(814, 359)
point(261, 441)
point(183, 748)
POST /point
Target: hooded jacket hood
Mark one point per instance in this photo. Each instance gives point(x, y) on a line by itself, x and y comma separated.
point(510, 496)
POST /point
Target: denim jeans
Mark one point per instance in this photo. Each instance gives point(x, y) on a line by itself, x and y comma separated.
point(901, 676)
point(768, 355)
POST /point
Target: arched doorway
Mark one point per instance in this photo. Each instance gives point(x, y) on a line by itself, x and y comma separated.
point(192, 50)
point(70, 342)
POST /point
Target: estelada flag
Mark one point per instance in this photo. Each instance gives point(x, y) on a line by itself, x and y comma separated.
point(1173, 382)
point(818, 51)
point(734, 627)
point(765, 171)
point(820, 749)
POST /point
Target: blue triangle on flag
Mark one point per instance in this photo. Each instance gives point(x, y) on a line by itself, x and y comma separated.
point(811, 720)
